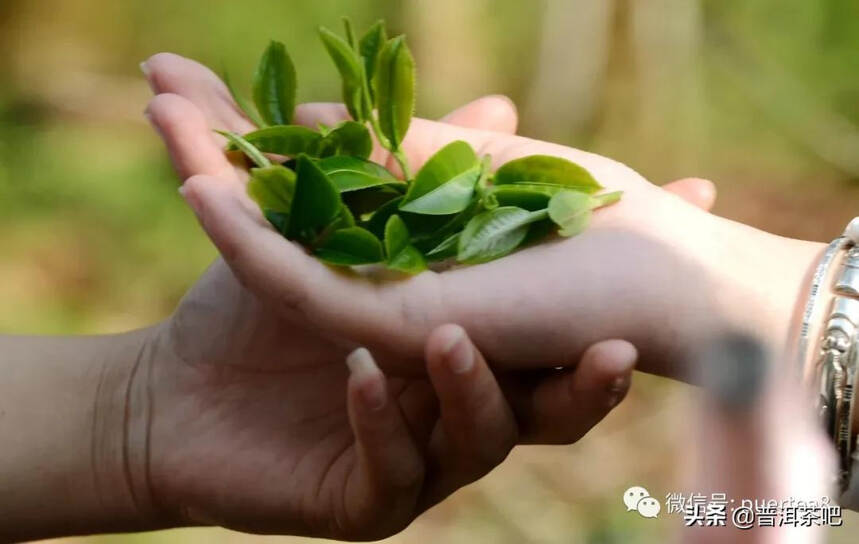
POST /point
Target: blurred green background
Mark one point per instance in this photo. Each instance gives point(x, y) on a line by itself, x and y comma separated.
point(759, 95)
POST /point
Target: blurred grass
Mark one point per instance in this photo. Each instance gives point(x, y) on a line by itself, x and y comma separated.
point(760, 96)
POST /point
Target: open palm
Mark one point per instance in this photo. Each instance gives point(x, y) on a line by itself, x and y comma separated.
point(638, 260)
point(252, 427)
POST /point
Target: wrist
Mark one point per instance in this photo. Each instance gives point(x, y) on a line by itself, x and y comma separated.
point(759, 280)
point(73, 456)
point(122, 417)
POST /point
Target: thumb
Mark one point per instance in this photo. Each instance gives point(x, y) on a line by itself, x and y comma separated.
point(495, 112)
point(699, 192)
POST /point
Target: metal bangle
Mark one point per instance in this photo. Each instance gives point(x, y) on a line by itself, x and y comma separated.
point(836, 364)
point(838, 352)
point(820, 273)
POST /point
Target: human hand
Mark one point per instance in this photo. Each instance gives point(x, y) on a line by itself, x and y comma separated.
point(278, 450)
point(237, 361)
point(618, 301)
point(242, 392)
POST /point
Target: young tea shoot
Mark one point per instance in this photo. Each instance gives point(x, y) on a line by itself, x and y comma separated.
point(348, 210)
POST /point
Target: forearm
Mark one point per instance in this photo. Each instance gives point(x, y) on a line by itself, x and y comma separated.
point(72, 429)
point(665, 279)
point(759, 282)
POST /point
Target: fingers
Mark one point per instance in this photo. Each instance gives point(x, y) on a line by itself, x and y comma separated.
point(193, 148)
point(477, 428)
point(256, 253)
point(390, 469)
point(174, 74)
point(696, 191)
point(199, 85)
point(283, 276)
point(494, 112)
point(477, 421)
point(169, 73)
point(560, 409)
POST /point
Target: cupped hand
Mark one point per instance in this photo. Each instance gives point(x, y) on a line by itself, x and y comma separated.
point(248, 423)
point(248, 415)
point(315, 450)
point(648, 269)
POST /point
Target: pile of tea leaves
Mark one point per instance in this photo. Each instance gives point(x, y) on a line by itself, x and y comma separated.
point(326, 194)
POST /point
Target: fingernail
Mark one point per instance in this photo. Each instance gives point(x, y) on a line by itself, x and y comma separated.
point(183, 191)
point(457, 351)
point(371, 388)
point(147, 73)
point(619, 384)
point(148, 116)
point(617, 390)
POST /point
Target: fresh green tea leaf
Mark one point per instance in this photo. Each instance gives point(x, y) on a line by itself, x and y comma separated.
point(401, 254)
point(452, 196)
point(351, 246)
point(445, 184)
point(350, 34)
point(273, 188)
point(348, 63)
point(396, 235)
point(240, 101)
point(538, 231)
point(246, 147)
point(348, 138)
point(427, 239)
point(370, 46)
point(446, 249)
point(547, 170)
point(376, 223)
point(366, 202)
point(409, 261)
point(274, 85)
point(395, 90)
point(289, 140)
point(280, 221)
point(520, 195)
point(343, 220)
point(354, 174)
point(453, 207)
point(485, 173)
point(605, 199)
point(316, 202)
point(571, 211)
point(495, 233)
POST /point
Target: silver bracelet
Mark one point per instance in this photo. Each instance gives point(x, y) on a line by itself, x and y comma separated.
point(820, 273)
point(836, 363)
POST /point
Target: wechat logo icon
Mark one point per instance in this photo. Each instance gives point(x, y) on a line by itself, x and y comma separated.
point(637, 498)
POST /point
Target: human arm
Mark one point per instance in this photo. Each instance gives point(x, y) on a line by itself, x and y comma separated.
point(66, 424)
point(177, 424)
point(116, 434)
point(652, 268)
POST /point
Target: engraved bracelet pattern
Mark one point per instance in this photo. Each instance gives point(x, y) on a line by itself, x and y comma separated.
point(836, 361)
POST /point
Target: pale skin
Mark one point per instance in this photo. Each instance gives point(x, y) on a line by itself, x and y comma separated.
point(233, 409)
point(204, 418)
point(651, 269)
